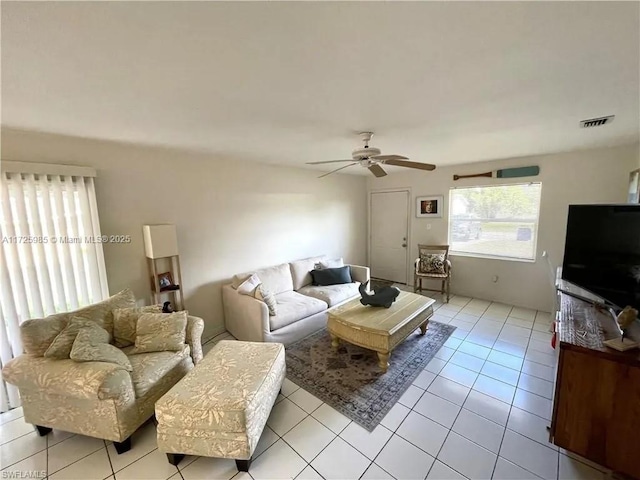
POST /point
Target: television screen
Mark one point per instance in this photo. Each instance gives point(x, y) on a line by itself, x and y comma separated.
point(602, 252)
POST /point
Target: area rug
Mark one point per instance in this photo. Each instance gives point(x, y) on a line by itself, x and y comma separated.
point(349, 379)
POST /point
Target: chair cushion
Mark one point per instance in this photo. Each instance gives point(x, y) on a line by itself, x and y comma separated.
point(149, 369)
point(92, 345)
point(38, 333)
point(300, 271)
point(432, 263)
point(332, 294)
point(276, 279)
point(293, 306)
point(159, 332)
point(125, 321)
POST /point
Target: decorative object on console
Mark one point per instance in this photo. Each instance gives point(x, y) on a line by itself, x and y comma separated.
point(382, 297)
point(161, 245)
point(430, 207)
point(505, 173)
point(624, 319)
point(634, 186)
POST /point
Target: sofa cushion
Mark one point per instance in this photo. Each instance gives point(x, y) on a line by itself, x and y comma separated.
point(276, 279)
point(300, 271)
point(38, 333)
point(159, 332)
point(92, 345)
point(332, 294)
point(331, 276)
point(125, 321)
point(149, 369)
point(293, 306)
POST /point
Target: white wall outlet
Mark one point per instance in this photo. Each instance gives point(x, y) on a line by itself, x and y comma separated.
point(494, 279)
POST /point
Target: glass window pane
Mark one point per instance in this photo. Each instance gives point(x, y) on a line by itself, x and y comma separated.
point(495, 221)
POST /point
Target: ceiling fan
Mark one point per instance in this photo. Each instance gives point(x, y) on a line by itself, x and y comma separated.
point(369, 157)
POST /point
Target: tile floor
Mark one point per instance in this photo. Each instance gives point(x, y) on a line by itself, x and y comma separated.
point(479, 410)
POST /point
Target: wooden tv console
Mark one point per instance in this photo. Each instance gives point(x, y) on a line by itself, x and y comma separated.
point(596, 406)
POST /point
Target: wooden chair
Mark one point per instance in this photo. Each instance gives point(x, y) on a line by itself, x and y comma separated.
point(444, 277)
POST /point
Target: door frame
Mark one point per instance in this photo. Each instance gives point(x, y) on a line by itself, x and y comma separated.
point(409, 225)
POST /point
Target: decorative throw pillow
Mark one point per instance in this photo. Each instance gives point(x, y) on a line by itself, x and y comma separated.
point(239, 279)
point(335, 263)
point(61, 346)
point(125, 321)
point(264, 295)
point(249, 285)
point(159, 332)
point(92, 345)
point(432, 263)
point(331, 276)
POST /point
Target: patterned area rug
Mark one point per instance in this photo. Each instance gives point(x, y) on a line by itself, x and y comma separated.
point(349, 379)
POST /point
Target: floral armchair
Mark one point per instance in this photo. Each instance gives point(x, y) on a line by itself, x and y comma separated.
point(97, 399)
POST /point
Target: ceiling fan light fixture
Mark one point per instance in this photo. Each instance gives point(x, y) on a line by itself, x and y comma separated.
point(371, 158)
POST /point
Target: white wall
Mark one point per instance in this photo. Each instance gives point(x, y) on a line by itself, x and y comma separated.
point(590, 176)
point(230, 215)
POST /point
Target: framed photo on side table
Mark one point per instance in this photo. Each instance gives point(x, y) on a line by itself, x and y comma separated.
point(430, 206)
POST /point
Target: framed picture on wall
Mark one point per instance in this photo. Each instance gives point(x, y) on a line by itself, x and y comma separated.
point(431, 206)
point(634, 186)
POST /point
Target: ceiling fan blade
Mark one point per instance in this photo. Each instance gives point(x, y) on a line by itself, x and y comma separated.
point(377, 170)
point(384, 158)
point(405, 163)
point(338, 169)
point(329, 161)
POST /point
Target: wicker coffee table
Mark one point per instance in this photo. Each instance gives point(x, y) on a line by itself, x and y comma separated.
point(377, 328)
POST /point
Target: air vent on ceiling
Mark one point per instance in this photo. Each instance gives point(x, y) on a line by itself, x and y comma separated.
point(596, 122)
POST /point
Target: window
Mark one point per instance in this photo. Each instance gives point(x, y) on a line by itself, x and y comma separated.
point(51, 249)
point(498, 221)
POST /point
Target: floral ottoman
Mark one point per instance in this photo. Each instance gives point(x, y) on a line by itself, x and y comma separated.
point(220, 408)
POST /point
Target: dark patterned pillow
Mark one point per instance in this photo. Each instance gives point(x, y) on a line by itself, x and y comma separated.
point(432, 263)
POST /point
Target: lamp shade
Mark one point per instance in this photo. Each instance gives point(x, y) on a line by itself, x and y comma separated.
point(160, 241)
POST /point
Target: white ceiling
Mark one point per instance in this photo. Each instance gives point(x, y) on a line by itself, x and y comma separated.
point(288, 83)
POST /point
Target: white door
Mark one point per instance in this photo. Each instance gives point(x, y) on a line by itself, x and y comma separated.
point(389, 231)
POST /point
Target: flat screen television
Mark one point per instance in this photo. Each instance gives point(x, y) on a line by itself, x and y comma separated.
point(602, 252)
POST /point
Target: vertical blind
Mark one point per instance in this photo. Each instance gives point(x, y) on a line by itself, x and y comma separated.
point(51, 255)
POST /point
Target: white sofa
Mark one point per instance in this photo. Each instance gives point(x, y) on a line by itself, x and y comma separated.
point(301, 307)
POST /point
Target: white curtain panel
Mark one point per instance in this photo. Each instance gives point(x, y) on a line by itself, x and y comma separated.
point(51, 255)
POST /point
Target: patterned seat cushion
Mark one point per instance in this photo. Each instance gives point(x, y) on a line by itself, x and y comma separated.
point(232, 390)
point(293, 306)
point(147, 369)
point(332, 294)
point(432, 263)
